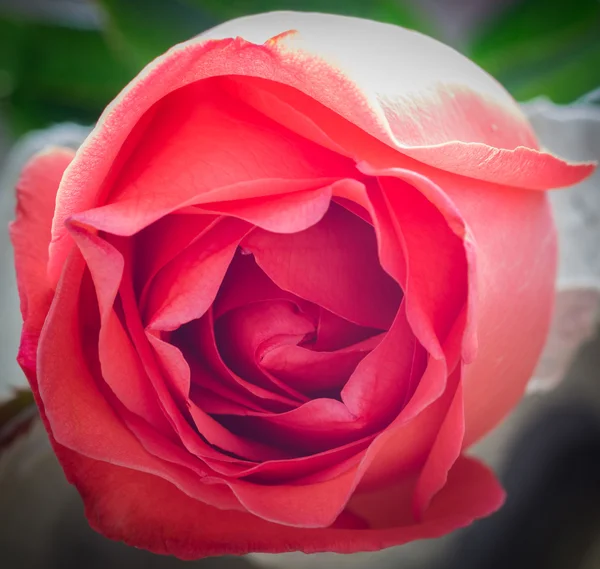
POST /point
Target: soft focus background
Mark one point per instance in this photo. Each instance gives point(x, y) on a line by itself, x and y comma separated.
point(62, 61)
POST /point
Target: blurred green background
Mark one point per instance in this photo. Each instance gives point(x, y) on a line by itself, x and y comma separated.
point(66, 59)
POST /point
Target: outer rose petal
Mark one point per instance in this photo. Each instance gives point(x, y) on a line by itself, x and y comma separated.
point(30, 232)
point(324, 61)
point(515, 292)
point(30, 235)
point(145, 511)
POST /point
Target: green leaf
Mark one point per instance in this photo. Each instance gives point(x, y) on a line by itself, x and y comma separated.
point(543, 47)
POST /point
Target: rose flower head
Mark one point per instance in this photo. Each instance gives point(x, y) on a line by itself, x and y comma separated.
point(301, 263)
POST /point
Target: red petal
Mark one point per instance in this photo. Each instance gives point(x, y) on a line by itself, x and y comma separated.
point(390, 250)
point(199, 139)
point(78, 414)
point(127, 505)
point(340, 249)
point(316, 426)
point(177, 369)
point(515, 241)
point(259, 201)
point(334, 333)
point(286, 213)
point(245, 334)
point(444, 453)
point(245, 283)
point(120, 365)
point(373, 396)
point(436, 286)
point(314, 372)
point(153, 251)
point(379, 386)
point(30, 236)
point(404, 445)
point(199, 346)
point(185, 288)
point(312, 505)
point(176, 413)
point(454, 223)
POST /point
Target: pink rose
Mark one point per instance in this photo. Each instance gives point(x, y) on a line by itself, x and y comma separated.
point(301, 263)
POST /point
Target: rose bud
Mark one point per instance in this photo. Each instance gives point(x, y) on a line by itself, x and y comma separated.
point(301, 263)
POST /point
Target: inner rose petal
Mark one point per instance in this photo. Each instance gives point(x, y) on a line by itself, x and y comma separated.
point(374, 395)
point(152, 251)
point(245, 282)
point(245, 333)
point(333, 264)
point(198, 343)
point(335, 333)
point(193, 129)
point(316, 373)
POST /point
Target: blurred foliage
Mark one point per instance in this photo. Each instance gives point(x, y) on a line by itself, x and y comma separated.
point(140, 30)
point(148, 27)
point(391, 11)
point(543, 47)
point(52, 72)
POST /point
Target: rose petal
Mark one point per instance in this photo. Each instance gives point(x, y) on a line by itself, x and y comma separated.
point(287, 213)
point(359, 92)
point(175, 366)
point(317, 467)
point(192, 130)
point(257, 200)
point(335, 333)
point(513, 296)
point(122, 504)
point(404, 445)
point(202, 124)
point(372, 397)
point(316, 504)
point(244, 283)
point(185, 288)
point(153, 251)
point(436, 287)
point(445, 106)
point(454, 223)
point(489, 148)
point(120, 365)
point(130, 377)
point(380, 384)
point(176, 414)
point(244, 334)
point(444, 453)
point(30, 232)
point(315, 426)
point(313, 372)
point(199, 345)
point(369, 195)
point(77, 412)
point(340, 245)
